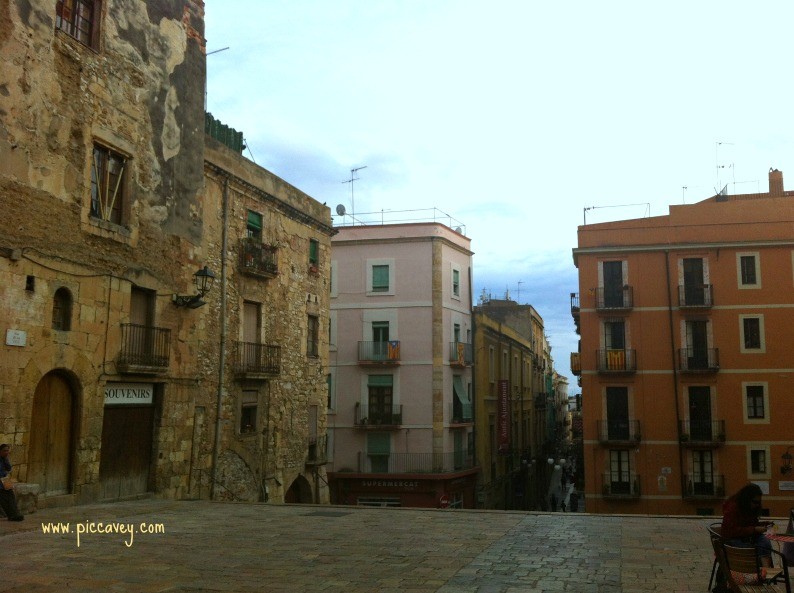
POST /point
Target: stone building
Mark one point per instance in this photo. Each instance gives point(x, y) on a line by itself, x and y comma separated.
point(273, 336)
point(109, 367)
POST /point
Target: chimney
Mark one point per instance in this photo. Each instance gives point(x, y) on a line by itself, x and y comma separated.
point(775, 182)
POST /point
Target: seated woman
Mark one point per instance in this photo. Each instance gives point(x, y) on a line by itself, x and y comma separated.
point(740, 524)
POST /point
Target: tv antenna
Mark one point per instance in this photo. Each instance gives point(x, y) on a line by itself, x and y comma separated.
point(518, 292)
point(646, 204)
point(350, 181)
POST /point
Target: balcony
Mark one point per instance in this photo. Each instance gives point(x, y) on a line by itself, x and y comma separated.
point(258, 259)
point(576, 363)
point(696, 296)
point(379, 353)
point(618, 298)
point(620, 487)
point(704, 487)
point(702, 435)
point(256, 361)
point(616, 361)
point(145, 349)
point(619, 433)
point(699, 360)
point(460, 354)
point(575, 310)
point(415, 463)
point(378, 417)
point(316, 453)
point(460, 413)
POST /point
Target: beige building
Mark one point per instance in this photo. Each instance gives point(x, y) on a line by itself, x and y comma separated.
point(111, 381)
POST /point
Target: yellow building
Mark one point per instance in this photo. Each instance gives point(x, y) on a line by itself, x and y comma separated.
point(513, 402)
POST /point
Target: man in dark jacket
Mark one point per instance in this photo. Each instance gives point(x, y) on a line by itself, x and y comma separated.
point(8, 500)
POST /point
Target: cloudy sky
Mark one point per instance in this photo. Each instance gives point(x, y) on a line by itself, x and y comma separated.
point(511, 116)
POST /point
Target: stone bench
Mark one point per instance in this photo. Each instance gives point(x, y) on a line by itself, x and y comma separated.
point(27, 497)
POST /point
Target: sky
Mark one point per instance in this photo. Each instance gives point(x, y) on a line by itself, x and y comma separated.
point(511, 117)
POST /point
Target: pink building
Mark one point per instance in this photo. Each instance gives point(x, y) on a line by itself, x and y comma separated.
point(400, 418)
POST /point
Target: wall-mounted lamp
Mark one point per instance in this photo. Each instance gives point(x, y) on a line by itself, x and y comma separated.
point(786, 457)
point(203, 280)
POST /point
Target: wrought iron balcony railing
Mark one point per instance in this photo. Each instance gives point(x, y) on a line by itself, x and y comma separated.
point(695, 296)
point(619, 485)
point(380, 416)
point(144, 349)
point(702, 434)
point(379, 352)
point(575, 304)
point(614, 298)
point(420, 463)
point(252, 358)
point(616, 361)
point(704, 486)
point(699, 360)
point(460, 354)
point(619, 432)
point(258, 259)
point(317, 451)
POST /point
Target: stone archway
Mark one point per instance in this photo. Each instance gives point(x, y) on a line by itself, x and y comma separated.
point(299, 492)
point(50, 451)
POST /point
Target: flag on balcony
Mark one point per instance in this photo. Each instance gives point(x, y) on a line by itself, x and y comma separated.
point(393, 350)
point(616, 359)
point(461, 352)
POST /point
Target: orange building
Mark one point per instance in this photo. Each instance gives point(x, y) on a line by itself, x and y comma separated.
point(686, 325)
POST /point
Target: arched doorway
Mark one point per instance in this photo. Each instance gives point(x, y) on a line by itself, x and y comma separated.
point(299, 492)
point(50, 449)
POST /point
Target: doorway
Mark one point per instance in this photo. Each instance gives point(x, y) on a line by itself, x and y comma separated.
point(50, 450)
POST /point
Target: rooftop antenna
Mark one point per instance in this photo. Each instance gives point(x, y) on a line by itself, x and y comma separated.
point(683, 194)
point(518, 292)
point(646, 204)
point(717, 159)
point(350, 181)
point(205, 78)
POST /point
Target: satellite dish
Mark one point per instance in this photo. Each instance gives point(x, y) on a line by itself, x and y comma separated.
point(457, 229)
point(340, 209)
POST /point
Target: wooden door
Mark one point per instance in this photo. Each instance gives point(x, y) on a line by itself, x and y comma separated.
point(127, 434)
point(700, 413)
point(618, 413)
point(694, 292)
point(613, 284)
point(51, 435)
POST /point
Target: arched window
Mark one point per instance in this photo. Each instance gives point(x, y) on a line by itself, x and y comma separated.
point(62, 310)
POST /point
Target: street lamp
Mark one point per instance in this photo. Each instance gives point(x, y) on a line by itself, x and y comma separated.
point(203, 280)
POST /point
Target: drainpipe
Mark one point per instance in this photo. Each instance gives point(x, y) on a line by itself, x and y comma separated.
point(222, 351)
point(675, 370)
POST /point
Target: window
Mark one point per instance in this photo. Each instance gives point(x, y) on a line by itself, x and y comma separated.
point(380, 340)
point(107, 184)
point(329, 381)
point(756, 402)
point(314, 252)
point(79, 19)
point(313, 336)
point(380, 278)
point(62, 310)
point(248, 405)
point(381, 409)
point(455, 282)
point(619, 472)
point(614, 335)
point(378, 451)
point(253, 228)
point(752, 330)
point(749, 270)
point(758, 461)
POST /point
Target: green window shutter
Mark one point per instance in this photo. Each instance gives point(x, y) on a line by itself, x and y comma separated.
point(380, 278)
point(380, 380)
point(378, 443)
point(314, 251)
point(254, 220)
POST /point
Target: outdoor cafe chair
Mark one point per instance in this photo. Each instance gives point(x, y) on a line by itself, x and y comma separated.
point(744, 573)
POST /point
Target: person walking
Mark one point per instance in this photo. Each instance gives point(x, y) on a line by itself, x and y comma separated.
point(8, 500)
point(573, 499)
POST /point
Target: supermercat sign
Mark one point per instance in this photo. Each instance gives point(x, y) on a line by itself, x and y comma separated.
point(139, 394)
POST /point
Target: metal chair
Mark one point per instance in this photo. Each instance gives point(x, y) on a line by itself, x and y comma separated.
point(715, 533)
point(744, 573)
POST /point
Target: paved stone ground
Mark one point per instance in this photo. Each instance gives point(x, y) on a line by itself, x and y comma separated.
point(225, 547)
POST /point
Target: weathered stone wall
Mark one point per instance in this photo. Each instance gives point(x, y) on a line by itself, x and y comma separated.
point(141, 93)
point(276, 454)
